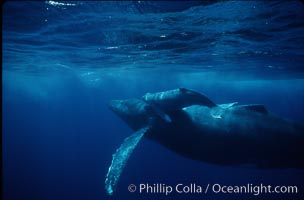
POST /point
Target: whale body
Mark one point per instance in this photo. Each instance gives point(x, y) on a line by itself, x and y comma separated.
point(226, 134)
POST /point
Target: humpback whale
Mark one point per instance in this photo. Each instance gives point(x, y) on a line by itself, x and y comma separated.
point(192, 125)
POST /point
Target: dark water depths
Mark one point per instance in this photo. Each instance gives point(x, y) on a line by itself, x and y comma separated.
point(63, 61)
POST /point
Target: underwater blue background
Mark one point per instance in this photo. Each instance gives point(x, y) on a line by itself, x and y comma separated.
point(63, 62)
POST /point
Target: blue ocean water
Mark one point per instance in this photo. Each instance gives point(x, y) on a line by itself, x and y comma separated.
point(63, 62)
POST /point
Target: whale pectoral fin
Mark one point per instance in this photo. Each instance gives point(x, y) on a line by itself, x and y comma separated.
point(120, 158)
point(164, 116)
point(216, 113)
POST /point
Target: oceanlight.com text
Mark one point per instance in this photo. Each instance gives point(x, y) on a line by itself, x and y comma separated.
point(195, 188)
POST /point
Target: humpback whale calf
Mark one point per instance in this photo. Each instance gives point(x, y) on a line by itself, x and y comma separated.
point(193, 126)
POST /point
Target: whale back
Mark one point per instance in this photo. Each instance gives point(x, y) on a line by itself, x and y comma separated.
point(177, 99)
point(253, 107)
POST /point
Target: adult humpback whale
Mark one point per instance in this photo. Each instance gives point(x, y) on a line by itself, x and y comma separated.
point(225, 134)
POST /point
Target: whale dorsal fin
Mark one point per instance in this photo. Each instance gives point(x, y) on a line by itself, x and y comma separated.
point(256, 107)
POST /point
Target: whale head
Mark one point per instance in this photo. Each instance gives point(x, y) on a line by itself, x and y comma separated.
point(135, 112)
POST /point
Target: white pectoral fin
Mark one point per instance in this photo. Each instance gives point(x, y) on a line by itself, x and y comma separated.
point(161, 114)
point(216, 113)
point(120, 158)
